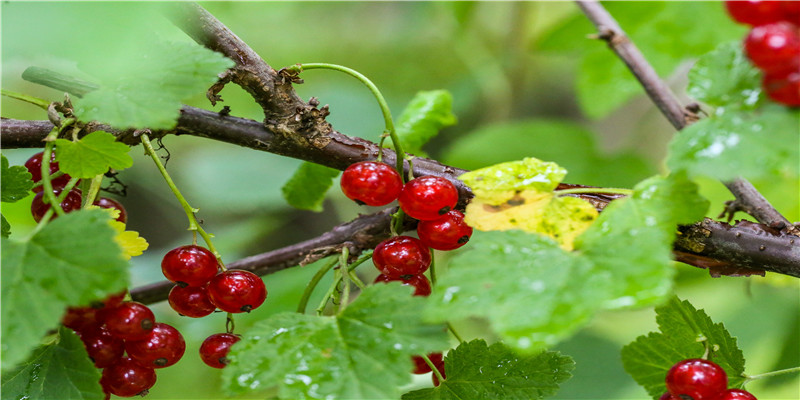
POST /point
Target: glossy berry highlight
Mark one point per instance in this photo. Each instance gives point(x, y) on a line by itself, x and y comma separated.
point(215, 349)
point(697, 378)
point(371, 183)
point(163, 347)
point(130, 321)
point(428, 197)
point(190, 265)
point(191, 301)
point(127, 378)
point(103, 348)
point(736, 394)
point(774, 47)
point(446, 233)
point(420, 283)
point(401, 255)
point(34, 166)
point(237, 291)
point(755, 12)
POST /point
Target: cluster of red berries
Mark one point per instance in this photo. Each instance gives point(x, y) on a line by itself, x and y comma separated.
point(699, 379)
point(124, 339)
point(200, 289)
point(773, 44)
point(72, 201)
point(429, 199)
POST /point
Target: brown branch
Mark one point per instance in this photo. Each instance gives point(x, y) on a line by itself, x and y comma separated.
point(747, 197)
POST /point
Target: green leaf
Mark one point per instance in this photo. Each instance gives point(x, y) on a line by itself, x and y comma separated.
point(364, 353)
point(751, 144)
point(424, 116)
point(92, 155)
point(498, 183)
point(15, 182)
point(477, 371)
point(6, 227)
point(307, 187)
point(685, 331)
point(725, 77)
point(71, 261)
point(539, 294)
point(146, 90)
point(60, 370)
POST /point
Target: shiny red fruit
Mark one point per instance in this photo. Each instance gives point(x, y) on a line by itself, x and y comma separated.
point(70, 203)
point(34, 166)
point(774, 47)
point(127, 378)
point(421, 284)
point(81, 318)
point(130, 321)
point(421, 367)
point(446, 233)
point(697, 378)
point(191, 301)
point(668, 396)
point(784, 90)
point(428, 197)
point(106, 202)
point(215, 348)
point(237, 291)
point(371, 183)
point(736, 394)
point(189, 265)
point(401, 255)
point(755, 12)
point(103, 348)
point(163, 347)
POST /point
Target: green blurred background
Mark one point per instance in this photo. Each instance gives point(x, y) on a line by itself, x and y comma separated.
point(526, 81)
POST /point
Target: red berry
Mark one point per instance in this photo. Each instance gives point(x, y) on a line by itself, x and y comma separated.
point(785, 90)
point(668, 396)
point(130, 321)
point(80, 319)
point(755, 12)
point(163, 347)
point(441, 371)
point(189, 265)
point(371, 183)
point(104, 348)
point(401, 255)
point(422, 287)
point(127, 378)
point(791, 11)
point(105, 202)
point(191, 301)
point(774, 47)
point(446, 233)
point(699, 379)
point(736, 394)
point(236, 291)
point(215, 348)
point(34, 165)
point(428, 197)
point(70, 203)
point(421, 367)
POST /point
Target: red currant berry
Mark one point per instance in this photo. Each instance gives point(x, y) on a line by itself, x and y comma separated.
point(422, 287)
point(668, 396)
point(189, 265)
point(446, 233)
point(401, 255)
point(215, 348)
point(783, 90)
point(736, 394)
point(127, 378)
point(441, 371)
point(191, 301)
point(163, 347)
point(70, 203)
point(79, 319)
point(371, 183)
point(699, 379)
point(34, 166)
point(791, 11)
point(773, 47)
point(104, 348)
point(428, 197)
point(755, 12)
point(130, 321)
point(105, 202)
point(237, 291)
point(421, 367)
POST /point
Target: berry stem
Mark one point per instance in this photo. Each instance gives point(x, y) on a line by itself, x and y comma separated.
point(193, 225)
point(626, 192)
point(453, 331)
point(750, 378)
point(337, 278)
point(345, 277)
point(432, 268)
point(230, 324)
point(387, 114)
point(47, 185)
point(53, 176)
point(312, 284)
point(94, 188)
point(49, 213)
point(433, 367)
point(41, 103)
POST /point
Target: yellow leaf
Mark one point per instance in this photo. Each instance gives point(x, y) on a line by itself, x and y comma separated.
point(131, 243)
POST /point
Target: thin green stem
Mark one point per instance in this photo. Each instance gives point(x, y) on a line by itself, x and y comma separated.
point(41, 103)
point(230, 323)
point(49, 213)
point(331, 293)
point(432, 367)
point(432, 268)
point(94, 188)
point(345, 282)
point(312, 284)
point(453, 331)
point(355, 279)
point(387, 115)
point(750, 378)
point(626, 192)
point(53, 176)
point(193, 224)
point(47, 185)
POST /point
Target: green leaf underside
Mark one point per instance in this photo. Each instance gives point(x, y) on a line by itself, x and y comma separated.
point(424, 116)
point(739, 143)
point(71, 261)
point(148, 90)
point(92, 155)
point(6, 227)
point(307, 187)
point(498, 183)
point(540, 294)
point(648, 358)
point(725, 77)
point(364, 353)
point(60, 370)
point(477, 371)
point(15, 181)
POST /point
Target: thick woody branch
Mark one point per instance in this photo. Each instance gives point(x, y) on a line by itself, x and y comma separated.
point(747, 197)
